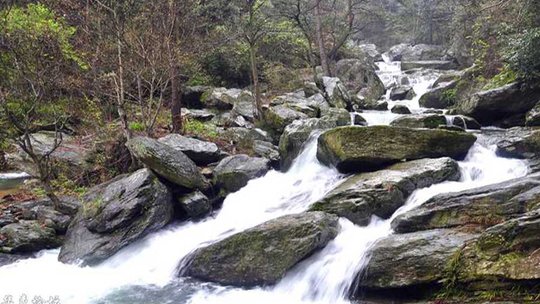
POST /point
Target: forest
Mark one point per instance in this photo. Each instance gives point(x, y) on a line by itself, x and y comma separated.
point(278, 151)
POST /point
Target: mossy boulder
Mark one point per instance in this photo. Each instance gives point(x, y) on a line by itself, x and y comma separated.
point(361, 149)
point(442, 96)
point(336, 93)
point(402, 92)
point(507, 253)
point(505, 106)
point(263, 254)
point(480, 207)
point(168, 162)
point(406, 261)
point(278, 117)
point(28, 236)
point(116, 214)
point(360, 77)
point(234, 172)
point(423, 121)
point(381, 193)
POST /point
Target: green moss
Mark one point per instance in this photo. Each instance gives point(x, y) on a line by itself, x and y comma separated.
point(449, 96)
point(506, 76)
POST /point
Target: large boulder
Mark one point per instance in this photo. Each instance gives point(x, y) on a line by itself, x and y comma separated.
point(168, 162)
point(263, 254)
point(361, 149)
point(297, 133)
point(234, 172)
point(193, 205)
point(507, 253)
point(521, 143)
point(267, 150)
point(28, 236)
point(504, 106)
point(465, 122)
point(70, 156)
point(533, 116)
point(405, 261)
point(116, 214)
point(480, 207)
point(360, 77)
point(407, 52)
point(429, 64)
point(336, 93)
point(199, 151)
point(442, 96)
point(401, 109)
point(382, 192)
point(202, 115)
point(427, 121)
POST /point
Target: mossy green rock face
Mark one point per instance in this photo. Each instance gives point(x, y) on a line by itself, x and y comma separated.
point(263, 254)
point(480, 207)
point(381, 193)
point(506, 252)
point(27, 236)
point(426, 121)
point(359, 149)
point(408, 260)
point(167, 162)
point(441, 97)
point(115, 214)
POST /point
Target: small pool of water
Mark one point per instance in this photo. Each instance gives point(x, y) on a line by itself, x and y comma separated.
point(10, 182)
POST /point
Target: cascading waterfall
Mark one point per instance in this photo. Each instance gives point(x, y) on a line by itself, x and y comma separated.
point(145, 272)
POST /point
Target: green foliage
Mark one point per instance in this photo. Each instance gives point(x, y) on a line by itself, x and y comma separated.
point(523, 53)
point(35, 22)
point(136, 126)
point(449, 96)
point(506, 76)
point(195, 127)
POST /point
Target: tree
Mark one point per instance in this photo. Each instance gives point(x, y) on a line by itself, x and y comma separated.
point(38, 65)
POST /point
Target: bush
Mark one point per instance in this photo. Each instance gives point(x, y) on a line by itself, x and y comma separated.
point(523, 54)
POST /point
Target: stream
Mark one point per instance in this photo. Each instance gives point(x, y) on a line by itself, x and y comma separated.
point(145, 272)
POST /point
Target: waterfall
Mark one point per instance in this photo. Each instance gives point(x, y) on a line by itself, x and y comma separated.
point(145, 272)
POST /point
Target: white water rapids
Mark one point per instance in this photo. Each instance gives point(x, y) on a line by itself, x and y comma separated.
point(145, 272)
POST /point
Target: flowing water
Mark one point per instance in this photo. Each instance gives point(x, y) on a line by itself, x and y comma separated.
point(145, 272)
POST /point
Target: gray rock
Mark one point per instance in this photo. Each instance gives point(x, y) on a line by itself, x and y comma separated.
point(267, 150)
point(359, 77)
point(442, 96)
point(480, 207)
point(244, 137)
point(234, 172)
point(421, 121)
point(195, 204)
point(523, 143)
point(6, 259)
point(505, 106)
point(381, 193)
point(402, 92)
point(199, 151)
point(200, 115)
point(27, 236)
point(336, 92)
point(409, 260)
point(116, 214)
point(191, 96)
point(225, 99)
point(361, 149)
point(400, 109)
point(167, 162)
point(467, 123)
point(263, 254)
point(278, 117)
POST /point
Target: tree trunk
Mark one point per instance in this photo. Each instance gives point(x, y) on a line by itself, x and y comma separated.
point(176, 100)
point(320, 40)
point(121, 95)
point(255, 76)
